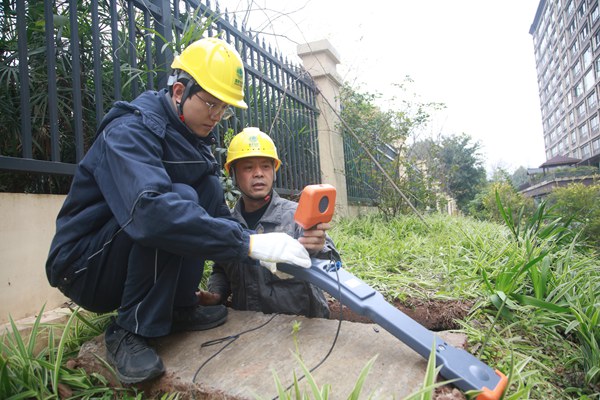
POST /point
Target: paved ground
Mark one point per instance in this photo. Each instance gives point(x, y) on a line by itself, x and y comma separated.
point(245, 368)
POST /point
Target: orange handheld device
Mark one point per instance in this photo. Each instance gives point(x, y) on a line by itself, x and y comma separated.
point(316, 205)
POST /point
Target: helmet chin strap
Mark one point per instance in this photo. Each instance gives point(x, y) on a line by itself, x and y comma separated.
point(184, 97)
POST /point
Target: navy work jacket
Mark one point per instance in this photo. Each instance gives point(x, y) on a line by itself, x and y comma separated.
point(141, 150)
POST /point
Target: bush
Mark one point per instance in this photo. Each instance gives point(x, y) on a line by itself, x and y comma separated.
point(484, 205)
point(582, 203)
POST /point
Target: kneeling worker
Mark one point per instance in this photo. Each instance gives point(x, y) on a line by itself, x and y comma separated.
point(252, 162)
point(146, 209)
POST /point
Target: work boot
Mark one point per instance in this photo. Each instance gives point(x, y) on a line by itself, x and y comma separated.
point(198, 318)
point(129, 353)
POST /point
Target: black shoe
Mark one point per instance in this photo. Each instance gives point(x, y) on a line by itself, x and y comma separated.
point(129, 353)
point(198, 318)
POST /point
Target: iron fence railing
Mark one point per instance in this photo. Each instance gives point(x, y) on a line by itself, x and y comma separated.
point(63, 63)
point(364, 181)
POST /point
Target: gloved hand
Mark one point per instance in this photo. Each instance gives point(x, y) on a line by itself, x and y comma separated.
point(271, 266)
point(277, 247)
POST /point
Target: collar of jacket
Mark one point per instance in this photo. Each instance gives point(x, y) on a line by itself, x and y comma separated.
point(272, 214)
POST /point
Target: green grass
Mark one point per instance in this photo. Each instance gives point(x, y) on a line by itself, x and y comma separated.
point(536, 291)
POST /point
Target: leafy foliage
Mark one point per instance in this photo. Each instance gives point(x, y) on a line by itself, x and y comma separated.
point(582, 203)
point(122, 75)
point(460, 169)
point(455, 164)
point(484, 204)
point(367, 129)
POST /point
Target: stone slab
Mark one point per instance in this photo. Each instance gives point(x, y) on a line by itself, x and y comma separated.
point(244, 368)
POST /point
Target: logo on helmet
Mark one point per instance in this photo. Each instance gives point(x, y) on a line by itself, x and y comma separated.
point(239, 81)
point(253, 142)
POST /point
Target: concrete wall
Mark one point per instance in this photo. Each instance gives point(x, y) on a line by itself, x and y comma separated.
point(26, 229)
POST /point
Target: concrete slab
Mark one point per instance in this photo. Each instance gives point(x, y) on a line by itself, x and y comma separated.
point(244, 368)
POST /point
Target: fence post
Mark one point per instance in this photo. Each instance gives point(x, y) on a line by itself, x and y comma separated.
point(320, 60)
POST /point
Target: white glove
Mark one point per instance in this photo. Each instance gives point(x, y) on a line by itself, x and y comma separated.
point(277, 247)
point(271, 266)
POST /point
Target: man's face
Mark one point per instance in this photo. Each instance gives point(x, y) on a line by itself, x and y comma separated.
point(202, 111)
point(254, 176)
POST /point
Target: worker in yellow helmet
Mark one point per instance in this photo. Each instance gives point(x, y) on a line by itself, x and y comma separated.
point(252, 162)
point(146, 208)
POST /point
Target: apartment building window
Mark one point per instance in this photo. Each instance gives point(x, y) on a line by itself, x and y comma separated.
point(583, 132)
point(576, 69)
point(571, 118)
point(581, 111)
point(596, 146)
point(592, 100)
point(588, 80)
point(572, 29)
point(574, 49)
point(584, 32)
point(595, 13)
point(585, 151)
point(595, 124)
point(561, 24)
point(578, 90)
point(587, 57)
point(573, 138)
point(596, 40)
point(581, 11)
point(570, 7)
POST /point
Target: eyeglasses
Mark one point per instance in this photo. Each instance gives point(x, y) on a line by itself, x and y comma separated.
point(223, 110)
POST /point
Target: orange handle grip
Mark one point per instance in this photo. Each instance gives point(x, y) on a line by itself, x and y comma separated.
point(316, 205)
point(496, 393)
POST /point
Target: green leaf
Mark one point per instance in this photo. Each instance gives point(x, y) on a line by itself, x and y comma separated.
point(532, 301)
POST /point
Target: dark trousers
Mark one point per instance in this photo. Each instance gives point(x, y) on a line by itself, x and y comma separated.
point(143, 284)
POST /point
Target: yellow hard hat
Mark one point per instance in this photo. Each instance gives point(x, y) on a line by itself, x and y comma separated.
point(217, 67)
point(251, 142)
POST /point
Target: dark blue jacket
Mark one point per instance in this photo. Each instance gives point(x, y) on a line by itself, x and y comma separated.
point(141, 150)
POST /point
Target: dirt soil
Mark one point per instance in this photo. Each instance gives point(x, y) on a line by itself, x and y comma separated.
point(435, 315)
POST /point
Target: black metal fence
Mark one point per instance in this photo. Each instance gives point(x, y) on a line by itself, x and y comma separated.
point(63, 63)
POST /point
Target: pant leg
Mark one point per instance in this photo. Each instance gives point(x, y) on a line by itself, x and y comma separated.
point(209, 194)
point(144, 284)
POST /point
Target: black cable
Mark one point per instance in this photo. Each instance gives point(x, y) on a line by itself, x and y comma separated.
point(232, 338)
point(337, 265)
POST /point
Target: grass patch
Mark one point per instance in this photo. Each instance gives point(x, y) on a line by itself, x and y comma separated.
point(536, 291)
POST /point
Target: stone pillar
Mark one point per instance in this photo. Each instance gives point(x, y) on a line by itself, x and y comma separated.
point(320, 60)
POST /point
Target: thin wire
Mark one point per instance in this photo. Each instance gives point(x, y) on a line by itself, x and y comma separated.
point(337, 332)
point(230, 340)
